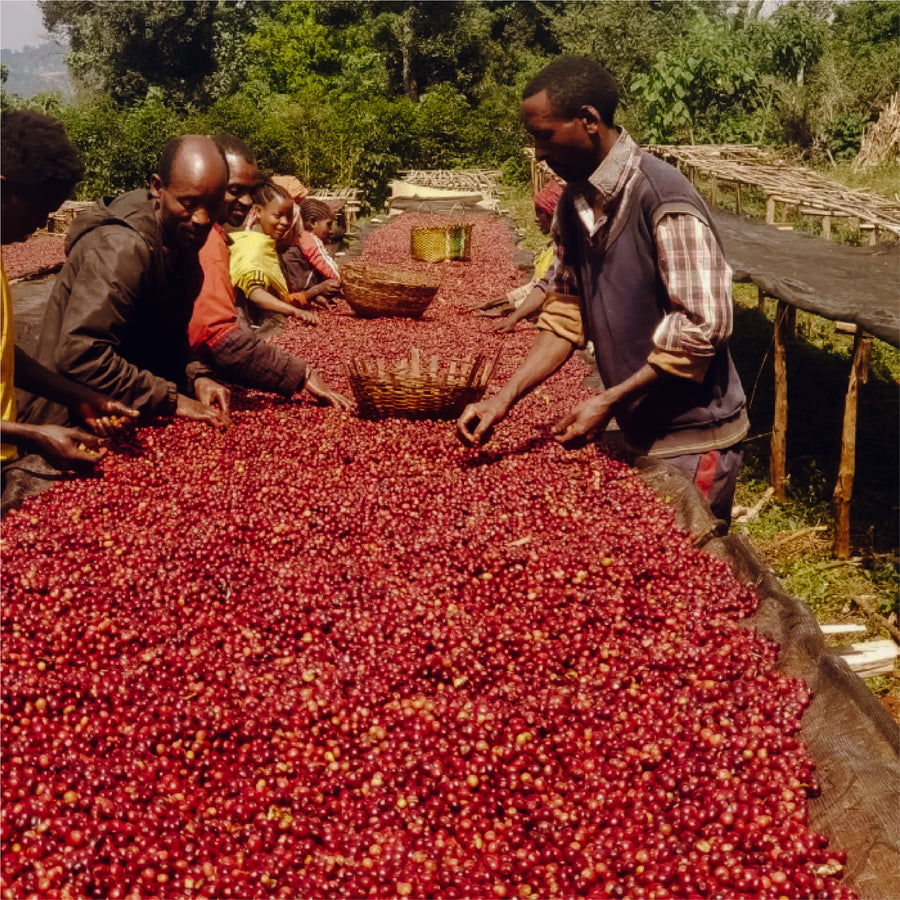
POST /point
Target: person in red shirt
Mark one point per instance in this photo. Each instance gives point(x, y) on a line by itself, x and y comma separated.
point(231, 348)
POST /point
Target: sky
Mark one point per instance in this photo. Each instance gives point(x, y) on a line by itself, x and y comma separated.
point(20, 24)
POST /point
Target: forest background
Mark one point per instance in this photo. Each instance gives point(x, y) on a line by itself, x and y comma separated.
point(351, 93)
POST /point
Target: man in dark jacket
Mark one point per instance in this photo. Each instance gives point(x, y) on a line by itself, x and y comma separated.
point(641, 273)
point(117, 317)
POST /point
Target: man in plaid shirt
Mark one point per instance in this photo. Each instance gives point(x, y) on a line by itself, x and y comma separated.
point(641, 273)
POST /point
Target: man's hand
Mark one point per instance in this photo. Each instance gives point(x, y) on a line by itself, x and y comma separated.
point(324, 394)
point(476, 424)
point(211, 393)
point(505, 326)
point(70, 449)
point(587, 421)
point(188, 408)
point(104, 416)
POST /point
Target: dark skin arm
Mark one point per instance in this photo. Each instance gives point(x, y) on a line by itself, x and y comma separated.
point(587, 421)
point(214, 400)
point(547, 354)
point(324, 394)
point(531, 304)
point(66, 448)
point(590, 418)
point(103, 415)
point(264, 300)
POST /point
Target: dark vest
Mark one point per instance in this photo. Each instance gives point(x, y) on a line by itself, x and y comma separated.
point(624, 299)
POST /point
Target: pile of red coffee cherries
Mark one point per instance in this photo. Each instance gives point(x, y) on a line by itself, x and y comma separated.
point(314, 656)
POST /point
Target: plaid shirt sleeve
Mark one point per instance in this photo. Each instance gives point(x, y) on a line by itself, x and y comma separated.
point(560, 277)
point(698, 279)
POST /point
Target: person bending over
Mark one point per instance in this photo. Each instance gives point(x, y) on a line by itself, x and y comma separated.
point(528, 299)
point(255, 266)
point(231, 348)
point(39, 169)
point(117, 316)
point(641, 272)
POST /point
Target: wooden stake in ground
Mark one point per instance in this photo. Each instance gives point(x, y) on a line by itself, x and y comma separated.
point(859, 370)
point(778, 457)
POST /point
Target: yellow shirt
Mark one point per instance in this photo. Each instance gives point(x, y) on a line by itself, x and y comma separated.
point(543, 262)
point(7, 361)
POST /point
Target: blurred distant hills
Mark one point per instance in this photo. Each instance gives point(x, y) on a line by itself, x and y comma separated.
point(34, 70)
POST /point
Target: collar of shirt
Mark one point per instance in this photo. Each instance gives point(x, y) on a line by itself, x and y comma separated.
point(606, 182)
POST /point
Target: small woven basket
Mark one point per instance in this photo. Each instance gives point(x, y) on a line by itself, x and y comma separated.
point(436, 243)
point(414, 390)
point(374, 290)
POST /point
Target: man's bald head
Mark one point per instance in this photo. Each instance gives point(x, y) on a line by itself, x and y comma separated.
point(188, 189)
point(195, 146)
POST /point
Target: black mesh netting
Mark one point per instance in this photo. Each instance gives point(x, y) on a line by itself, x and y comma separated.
point(854, 741)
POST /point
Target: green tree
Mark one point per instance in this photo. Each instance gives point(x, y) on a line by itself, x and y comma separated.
point(191, 50)
point(796, 38)
point(120, 148)
point(705, 88)
point(292, 49)
point(626, 38)
point(423, 43)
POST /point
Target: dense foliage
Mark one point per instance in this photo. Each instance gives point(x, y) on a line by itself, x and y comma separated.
point(350, 93)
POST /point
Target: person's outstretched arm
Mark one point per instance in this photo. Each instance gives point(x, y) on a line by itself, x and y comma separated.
point(103, 415)
point(265, 300)
point(547, 354)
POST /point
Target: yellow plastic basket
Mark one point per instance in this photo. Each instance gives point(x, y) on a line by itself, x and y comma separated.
point(436, 243)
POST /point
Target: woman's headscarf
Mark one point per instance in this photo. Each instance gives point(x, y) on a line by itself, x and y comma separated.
point(548, 196)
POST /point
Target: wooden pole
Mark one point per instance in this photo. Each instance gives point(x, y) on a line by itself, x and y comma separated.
point(770, 210)
point(790, 325)
point(843, 490)
point(826, 226)
point(778, 456)
point(714, 192)
point(737, 201)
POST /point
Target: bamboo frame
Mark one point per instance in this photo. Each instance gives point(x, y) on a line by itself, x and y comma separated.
point(782, 181)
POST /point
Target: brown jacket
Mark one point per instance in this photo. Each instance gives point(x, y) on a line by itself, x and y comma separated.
point(117, 317)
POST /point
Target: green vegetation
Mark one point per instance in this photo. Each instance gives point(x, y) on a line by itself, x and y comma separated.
point(351, 93)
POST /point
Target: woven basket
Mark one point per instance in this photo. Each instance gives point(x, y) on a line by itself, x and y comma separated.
point(375, 290)
point(435, 243)
point(413, 389)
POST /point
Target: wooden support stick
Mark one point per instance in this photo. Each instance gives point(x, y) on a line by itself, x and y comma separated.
point(778, 457)
point(737, 201)
point(843, 490)
point(714, 193)
point(791, 324)
point(867, 234)
point(770, 210)
point(826, 227)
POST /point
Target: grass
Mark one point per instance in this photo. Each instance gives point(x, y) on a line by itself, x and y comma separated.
point(795, 535)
